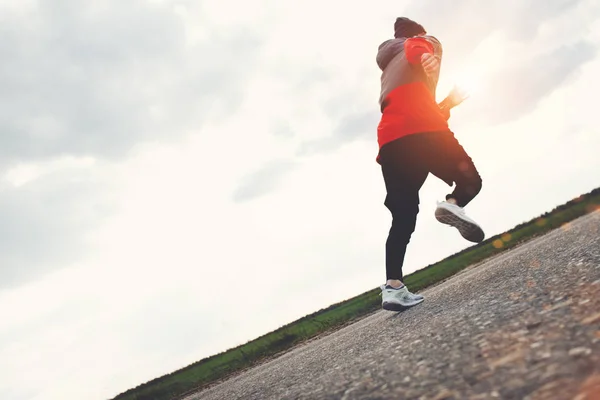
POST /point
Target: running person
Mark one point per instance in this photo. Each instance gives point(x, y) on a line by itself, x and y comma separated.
point(414, 140)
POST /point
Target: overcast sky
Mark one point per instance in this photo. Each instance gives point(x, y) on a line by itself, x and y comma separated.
point(179, 177)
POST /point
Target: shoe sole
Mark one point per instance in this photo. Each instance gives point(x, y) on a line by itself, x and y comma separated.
point(468, 230)
point(399, 307)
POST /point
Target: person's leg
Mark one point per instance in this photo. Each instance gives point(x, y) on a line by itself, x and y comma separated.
point(404, 175)
point(451, 163)
point(404, 208)
point(467, 179)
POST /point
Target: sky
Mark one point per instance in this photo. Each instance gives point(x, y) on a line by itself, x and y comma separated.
point(179, 177)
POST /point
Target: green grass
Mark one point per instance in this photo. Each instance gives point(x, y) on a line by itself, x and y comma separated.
point(219, 366)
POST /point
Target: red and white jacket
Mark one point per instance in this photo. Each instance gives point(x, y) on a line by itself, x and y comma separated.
point(407, 98)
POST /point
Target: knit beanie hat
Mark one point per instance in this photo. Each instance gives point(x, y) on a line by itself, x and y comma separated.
point(405, 27)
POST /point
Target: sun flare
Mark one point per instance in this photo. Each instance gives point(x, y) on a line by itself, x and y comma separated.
point(468, 82)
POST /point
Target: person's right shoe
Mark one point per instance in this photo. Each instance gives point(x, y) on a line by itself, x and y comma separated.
point(453, 215)
point(393, 299)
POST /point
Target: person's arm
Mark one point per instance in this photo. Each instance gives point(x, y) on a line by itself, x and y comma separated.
point(454, 98)
point(415, 47)
point(445, 108)
point(420, 51)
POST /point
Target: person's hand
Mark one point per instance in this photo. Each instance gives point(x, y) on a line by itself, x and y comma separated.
point(430, 63)
point(456, 96)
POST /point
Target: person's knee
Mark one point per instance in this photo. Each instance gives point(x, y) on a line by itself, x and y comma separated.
point(403, 206)
point(470, 181)
point(403, 225)
point(475, 185)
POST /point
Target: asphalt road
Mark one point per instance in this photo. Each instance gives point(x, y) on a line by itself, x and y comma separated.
point(523, 325)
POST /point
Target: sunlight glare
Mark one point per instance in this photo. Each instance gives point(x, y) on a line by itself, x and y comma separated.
point(468, 83)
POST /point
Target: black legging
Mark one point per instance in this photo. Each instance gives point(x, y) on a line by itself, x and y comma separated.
point(405, 164)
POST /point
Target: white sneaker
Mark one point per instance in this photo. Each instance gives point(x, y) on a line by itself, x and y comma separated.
point(453, 215)
point(416, 296)
point(393, 299)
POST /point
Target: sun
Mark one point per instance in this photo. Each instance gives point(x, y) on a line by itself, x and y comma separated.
point(468, 82)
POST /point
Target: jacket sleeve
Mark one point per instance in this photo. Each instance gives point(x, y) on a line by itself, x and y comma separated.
point(415, 47)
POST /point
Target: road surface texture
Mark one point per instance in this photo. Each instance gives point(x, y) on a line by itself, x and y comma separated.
point(522, 325)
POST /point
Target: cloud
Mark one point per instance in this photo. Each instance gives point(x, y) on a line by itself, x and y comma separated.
point(263, 181)
point(72, 85)
point(518, 80)
point(44, 221)
point(518, 89)
point(462, 22)
point(96, 81)
point(351, 127)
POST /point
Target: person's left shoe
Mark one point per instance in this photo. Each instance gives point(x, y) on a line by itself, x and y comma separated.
point(398, 299)
point(453, 215)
